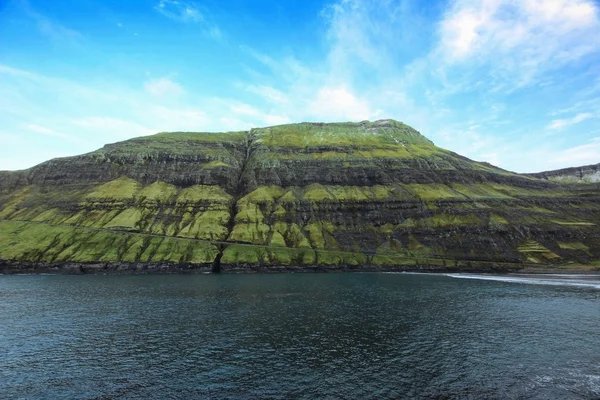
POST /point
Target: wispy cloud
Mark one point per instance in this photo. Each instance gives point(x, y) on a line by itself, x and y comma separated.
point(585, 154)
point(483, 52)
point(51, 28)
point(562, 123)
point(521, 38)
point(190, 12)
point(262, 58)
point(56, 31)
point(349, 44)
point(7, 70)
point(180, 10)
point(162, 87)
point(51, 132)
point(268, 93)
point(87, 114)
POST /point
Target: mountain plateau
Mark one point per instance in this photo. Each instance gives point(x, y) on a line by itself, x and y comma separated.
point(309, 196)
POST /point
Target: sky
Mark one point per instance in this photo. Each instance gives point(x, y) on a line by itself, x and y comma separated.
point(515, 83)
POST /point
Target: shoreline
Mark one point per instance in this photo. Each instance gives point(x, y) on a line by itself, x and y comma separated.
point(98, 268)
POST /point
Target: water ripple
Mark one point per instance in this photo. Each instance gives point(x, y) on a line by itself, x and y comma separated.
point(307, 336)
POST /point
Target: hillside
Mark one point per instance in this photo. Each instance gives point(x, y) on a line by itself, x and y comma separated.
point(370, 195)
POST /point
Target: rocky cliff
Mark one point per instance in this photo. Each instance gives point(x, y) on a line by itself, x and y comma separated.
point(370, 195)
point(585, 174)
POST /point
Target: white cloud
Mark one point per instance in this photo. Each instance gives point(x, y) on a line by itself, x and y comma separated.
point(339, 103)
point(163, 87)
point(460, 32)
point(484, 50)
point(562, 123)
point(525, 35)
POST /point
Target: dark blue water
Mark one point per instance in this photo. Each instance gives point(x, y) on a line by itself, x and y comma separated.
point(297, 336)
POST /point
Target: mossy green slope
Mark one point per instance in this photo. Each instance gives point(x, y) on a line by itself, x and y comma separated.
point(346, 195)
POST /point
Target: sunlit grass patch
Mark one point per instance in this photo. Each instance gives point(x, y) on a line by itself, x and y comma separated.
point(120, 189)
point(204, 193)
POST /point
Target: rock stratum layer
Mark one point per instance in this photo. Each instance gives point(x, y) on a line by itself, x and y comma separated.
point(370, 195)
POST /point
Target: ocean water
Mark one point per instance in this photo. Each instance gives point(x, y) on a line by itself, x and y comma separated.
point(305, 336)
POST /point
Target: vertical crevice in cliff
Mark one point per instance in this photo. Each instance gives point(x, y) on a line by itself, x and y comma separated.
point(237, 195)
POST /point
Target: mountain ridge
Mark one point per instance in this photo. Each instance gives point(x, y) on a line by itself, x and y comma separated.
point(335, 196)
point(582, 174)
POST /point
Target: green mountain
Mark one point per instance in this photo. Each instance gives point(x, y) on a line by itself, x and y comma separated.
point(370, 195)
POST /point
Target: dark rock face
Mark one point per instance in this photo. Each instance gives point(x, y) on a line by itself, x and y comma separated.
point(330, 197)
point(179, 162)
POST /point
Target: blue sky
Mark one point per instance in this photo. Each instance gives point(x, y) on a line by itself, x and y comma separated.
point(512, 82)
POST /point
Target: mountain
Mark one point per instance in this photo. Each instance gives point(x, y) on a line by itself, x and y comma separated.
point(585, 174)
point(369, 195)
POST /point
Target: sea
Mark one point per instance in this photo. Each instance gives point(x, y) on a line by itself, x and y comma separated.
point(300, 336)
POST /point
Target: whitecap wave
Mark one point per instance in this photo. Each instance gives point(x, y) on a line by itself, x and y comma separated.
point(549, 279)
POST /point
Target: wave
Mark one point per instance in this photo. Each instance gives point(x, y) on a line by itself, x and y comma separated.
point(549, 279)
point(409, 273)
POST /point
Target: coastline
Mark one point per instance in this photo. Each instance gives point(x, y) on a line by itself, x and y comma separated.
point(106, 268)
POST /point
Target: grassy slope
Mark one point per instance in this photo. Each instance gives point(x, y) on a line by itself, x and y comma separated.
point(397, 223)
